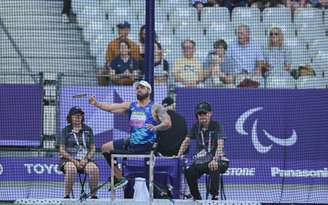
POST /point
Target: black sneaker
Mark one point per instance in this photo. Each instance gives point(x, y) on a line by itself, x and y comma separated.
point(118, 183)
point(94, 197)
point(216, 198)
point(66, 197)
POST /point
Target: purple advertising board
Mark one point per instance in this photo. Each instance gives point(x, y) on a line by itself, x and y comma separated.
point(273, 136)
point(20, 115)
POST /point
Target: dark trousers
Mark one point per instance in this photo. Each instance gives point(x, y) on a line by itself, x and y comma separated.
point(194, 172)
point(67, 7)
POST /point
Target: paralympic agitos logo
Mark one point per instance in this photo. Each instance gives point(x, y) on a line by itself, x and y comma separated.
point(239, 126)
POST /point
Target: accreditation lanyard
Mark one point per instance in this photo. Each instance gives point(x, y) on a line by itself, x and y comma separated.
point(209, 140)
point(77, 141)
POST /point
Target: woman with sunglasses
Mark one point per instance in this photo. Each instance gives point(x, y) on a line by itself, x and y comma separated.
point(276, 54)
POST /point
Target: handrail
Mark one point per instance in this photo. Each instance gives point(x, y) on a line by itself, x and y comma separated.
point(23, 60)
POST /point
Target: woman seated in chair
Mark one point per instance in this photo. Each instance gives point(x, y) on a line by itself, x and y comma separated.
point(77, 149)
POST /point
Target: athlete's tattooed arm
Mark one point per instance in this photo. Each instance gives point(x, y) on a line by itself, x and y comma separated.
point(163, 117)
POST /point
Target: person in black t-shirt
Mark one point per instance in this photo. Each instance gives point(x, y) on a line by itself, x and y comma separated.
point(210, 151)
point(169, 141)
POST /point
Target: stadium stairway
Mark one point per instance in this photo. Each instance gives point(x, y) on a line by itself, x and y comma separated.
point(35, 28)
point(34, 39)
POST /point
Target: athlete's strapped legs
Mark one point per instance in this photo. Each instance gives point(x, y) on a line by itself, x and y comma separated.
point(107, 150)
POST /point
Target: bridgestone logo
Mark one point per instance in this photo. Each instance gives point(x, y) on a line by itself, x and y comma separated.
point(319, 173)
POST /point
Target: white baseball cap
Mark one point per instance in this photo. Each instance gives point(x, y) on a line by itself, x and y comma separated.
point(143, 83)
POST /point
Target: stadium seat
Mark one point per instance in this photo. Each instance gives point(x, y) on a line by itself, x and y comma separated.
point(184, 16)
point(246, 16)
point(220, 31)
point(308, 16)
point(89, 14)
point(94, 29)
point(169, 6)
point(299, 55)
point(277, 16)
point(78, 6)
point(311, 32)
point(318, 46)
point(320, 64)
point(283, 80)
point(189, 31)
point(309, 82)
point(98, 44)
point(163, 28)
point(216, 15)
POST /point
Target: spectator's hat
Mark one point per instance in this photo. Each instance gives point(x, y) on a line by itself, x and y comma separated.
point(143, 83)
point(203, 107)
point(123, 24)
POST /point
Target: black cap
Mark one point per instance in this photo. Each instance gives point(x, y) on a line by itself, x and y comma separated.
point(76, 110)
point(167, 101)
point(123, 24)
point(203, 107)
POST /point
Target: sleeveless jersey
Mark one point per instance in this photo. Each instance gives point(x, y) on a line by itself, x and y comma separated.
point(139, 117)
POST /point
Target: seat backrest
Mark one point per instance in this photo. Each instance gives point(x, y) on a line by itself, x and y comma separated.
point(277, 16)
point(308, 16)
point(216, 15)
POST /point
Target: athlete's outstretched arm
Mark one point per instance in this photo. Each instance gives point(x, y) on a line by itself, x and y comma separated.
point(110, 107)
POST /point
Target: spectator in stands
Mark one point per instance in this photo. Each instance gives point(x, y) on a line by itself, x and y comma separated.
point(200, 4)
point(231, 4)
point(220, 66)
point(113, 50)
point(276, 54)
point(146, 118)
point(142, 38)
point(188, 71)
point(210, 157)
point(296, 4)
point(123, 34)
point(262, 4)
point(161, 67)
point(124, 69)
point(246, 54)
point(77, 149)
point(319, 4)
point(67, 5)
point(169, 141)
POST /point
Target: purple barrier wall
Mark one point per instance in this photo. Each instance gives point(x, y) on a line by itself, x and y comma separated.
point(20, 115)
point(271, 134)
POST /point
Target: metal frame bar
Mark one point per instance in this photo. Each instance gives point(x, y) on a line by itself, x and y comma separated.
point(151, 158)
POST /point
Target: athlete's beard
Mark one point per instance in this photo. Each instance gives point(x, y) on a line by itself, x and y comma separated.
point(142, 96)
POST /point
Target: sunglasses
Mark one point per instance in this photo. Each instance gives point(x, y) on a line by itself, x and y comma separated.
point(274, 34)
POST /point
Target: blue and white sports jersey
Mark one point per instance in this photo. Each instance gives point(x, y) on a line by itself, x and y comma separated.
point(139, 117)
